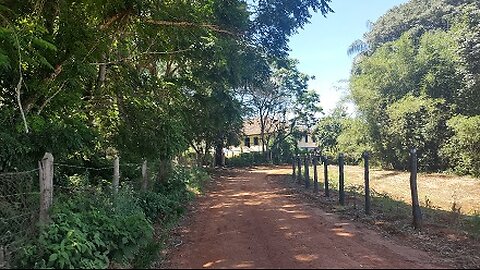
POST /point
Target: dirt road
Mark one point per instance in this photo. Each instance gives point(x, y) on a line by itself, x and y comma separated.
point(249, 221)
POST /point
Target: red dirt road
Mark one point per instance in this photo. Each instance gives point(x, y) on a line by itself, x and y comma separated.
point(250, 221)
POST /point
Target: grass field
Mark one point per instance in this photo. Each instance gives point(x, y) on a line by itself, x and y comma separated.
point(436, 190)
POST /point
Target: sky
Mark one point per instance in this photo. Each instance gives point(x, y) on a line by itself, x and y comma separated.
point(321, 47)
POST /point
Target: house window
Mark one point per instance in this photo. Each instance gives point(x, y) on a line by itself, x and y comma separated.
point(306, 138)
point(247, 141)
point(255, 141)
point(313, 139)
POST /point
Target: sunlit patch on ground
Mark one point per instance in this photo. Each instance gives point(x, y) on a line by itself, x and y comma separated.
point(306, 257)
point(213, 263)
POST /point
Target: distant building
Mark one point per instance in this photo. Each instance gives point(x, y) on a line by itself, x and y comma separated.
point(252, 139)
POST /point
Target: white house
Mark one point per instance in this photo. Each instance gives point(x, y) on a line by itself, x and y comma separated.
point(252, 139)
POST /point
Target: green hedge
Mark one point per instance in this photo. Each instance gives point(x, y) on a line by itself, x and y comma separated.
point(247, 159)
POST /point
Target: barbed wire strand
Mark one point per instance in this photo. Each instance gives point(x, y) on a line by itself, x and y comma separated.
point(98, 169)
point(82, 167)
point(19, 173)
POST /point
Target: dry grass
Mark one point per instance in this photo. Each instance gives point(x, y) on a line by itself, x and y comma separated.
point(446, 232)
point(440, 191)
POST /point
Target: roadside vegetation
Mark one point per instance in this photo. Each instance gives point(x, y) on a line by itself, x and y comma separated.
point(93, 228)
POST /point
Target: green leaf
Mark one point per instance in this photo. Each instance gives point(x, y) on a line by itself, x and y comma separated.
point(4, 61)
point(44, 62)
point(53, 257)
point(43, 44)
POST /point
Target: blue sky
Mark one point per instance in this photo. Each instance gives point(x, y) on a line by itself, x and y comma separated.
point(321, 47)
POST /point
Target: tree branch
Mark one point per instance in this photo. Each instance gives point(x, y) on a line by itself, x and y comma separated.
point(50, 98)
point(141, 54)
point(211, 27)
point(20, 81)
point(114, 18)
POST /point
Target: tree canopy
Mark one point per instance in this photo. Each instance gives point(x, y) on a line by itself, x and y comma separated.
point(147, 78)
point(420, 72)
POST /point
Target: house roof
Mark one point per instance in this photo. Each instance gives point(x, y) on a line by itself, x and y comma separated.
point(252, 127)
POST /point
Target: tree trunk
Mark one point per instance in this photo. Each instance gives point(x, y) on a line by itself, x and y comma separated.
point(219, 155)
point(206, 156)
point(164, 169)
point(102, 74)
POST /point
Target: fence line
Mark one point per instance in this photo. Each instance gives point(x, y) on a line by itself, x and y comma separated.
point(61, 165)
point(18, 210)
point(18, 173)
point(416, 211)
point(21, 192)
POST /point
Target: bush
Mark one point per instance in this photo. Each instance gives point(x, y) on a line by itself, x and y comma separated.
point(462, 150)
point(167, 202)
point(93, 229)
point(354, 140)
point(247, 159)
point(415, 122)
point(155, 206)
point(90, 230)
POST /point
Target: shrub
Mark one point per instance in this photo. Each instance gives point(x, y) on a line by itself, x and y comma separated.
point(462, 150)
point(167, 202)
point(90, 230)
point(155, 205)
point(247, 159)
point(93, 229)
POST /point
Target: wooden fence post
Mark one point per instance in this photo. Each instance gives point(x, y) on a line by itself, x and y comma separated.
point(315, 175)
point(416, 211)
point(299, 174)
point(366, 157)
point(307, 171)
point(116, 174)
point(144, 176)
point(325, 175)
point(45, 167)
point(341, 179)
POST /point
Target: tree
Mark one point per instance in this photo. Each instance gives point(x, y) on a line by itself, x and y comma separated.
point(417, 16)
point(462, 149)
point(354, 139)
point(329, 129)
point(126, 70)
point(420, 71)
point(274, 21)
point(214, 120)
point(282, 103)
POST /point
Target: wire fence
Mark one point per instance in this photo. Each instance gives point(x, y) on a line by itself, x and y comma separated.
point(26, 197)
point(71, 178)
point(20, 198)
point(19, 211)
